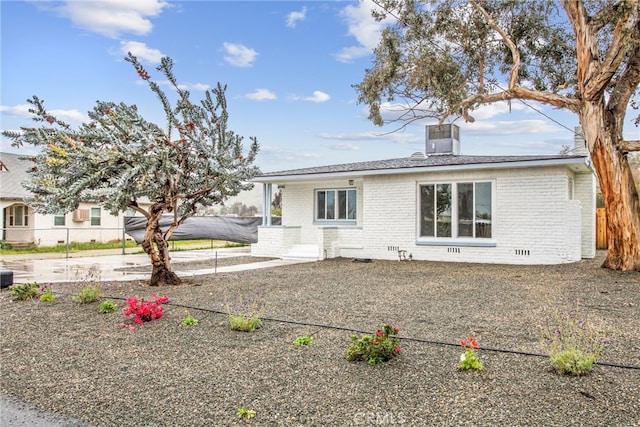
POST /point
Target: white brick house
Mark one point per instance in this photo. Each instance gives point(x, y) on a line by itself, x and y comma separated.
point(439, 207)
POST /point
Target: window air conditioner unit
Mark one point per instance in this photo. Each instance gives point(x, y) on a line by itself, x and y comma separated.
point(81, 215)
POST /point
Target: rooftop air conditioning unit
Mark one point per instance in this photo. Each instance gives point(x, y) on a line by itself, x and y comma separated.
point(442, 139)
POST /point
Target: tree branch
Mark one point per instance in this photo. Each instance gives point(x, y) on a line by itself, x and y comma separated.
point(513, 78)
point(549, 98)
point(628, 82)
point(607, 68)
point(630, 145)
point(603, 17)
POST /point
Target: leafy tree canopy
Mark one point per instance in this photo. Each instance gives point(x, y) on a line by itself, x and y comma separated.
point(118, 158)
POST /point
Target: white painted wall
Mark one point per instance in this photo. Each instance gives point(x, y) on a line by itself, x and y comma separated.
point(542, 215)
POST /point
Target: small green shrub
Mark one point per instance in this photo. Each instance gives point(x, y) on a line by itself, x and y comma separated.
point(47, 294)
point(246, 413)
point(107, 306)
point(244, 313)
point(25, 291)
point(303, 340)
point(189, 321)
point(87, 295)
point(242, 323)
point(573, 345)
point(382, 347)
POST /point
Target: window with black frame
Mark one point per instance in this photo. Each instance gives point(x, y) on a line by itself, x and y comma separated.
point(336, 205)
point(460, 210)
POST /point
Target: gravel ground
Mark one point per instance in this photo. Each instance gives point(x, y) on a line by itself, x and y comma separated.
point(66, 358)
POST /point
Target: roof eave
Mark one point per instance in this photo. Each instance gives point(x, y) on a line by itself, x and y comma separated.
point(580, 165)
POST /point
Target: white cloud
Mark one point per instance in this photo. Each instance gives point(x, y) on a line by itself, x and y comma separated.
point(488, 111)
point(239, 55)
point(317, 97)
point(261, 95)
point(363, 27)
point(294, 17)
point(343, 146)
point(141, 51)
point(72, 117)
point(285, 157)
point(516, 127)
point(394, 137)
point(20, 110)
point(113, 17)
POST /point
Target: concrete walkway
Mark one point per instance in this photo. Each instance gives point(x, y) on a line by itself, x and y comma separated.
point(43, 268)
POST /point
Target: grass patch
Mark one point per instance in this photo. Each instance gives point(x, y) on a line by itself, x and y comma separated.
point(75, 247)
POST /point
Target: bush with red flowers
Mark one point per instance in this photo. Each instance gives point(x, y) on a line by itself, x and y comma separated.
point(469, 359)
point(145, 311)
point(375, 349)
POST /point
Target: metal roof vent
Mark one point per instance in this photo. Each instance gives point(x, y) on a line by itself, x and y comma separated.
point(418, 155)
point(442, 139)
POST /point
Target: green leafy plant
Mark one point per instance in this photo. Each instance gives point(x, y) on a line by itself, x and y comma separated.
point(246, 413)
point(303, 340)
point(469, 360)
point(244, 313)
point(25, 291)
point(189, 321)
point(47, 294)
point(107, 306)
point(573, 345)
point(87, 295)
point(374, 349)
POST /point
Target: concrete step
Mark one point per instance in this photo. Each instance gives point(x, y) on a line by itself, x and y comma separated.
point(303, 252)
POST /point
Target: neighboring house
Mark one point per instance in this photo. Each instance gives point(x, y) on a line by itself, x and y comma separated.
point(438, 206)
point(22, 225)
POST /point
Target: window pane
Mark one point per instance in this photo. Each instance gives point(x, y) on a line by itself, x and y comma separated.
point(321, 205)
point(444, 210)
point(426, 210)
point(59, 220)
point(351, 208)
point(331, 205)
point(95, 216)
point(465, 209)
point(483, 209)
point(342, 204)
point(18, 215)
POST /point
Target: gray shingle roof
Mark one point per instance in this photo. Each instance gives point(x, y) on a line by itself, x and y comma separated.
point(422, 162)
point(12, 174)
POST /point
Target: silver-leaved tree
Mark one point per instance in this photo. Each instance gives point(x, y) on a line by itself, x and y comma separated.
point(445, 58)
point(121, 161)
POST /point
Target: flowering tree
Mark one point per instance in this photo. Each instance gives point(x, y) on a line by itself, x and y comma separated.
point(445, 58)
point(121, 161)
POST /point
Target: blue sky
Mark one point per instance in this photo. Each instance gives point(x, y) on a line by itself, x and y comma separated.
point(289, 67)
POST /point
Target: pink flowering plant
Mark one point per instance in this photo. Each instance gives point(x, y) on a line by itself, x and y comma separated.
point(469, 360)
point(145, 311)
point(383, 346)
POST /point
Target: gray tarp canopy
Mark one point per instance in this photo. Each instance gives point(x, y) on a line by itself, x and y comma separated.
point(232, 229)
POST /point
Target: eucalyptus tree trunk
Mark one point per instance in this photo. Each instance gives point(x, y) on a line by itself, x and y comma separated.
point(155, 245)
point(617, 185)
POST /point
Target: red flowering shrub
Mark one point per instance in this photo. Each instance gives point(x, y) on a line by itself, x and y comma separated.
point(373, 350)
point(145, 311)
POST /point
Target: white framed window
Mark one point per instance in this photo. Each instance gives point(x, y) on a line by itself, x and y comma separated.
point(336, 204)
point(95, 216)
point(457, 210)
point(18, 216)
point(59, 220)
